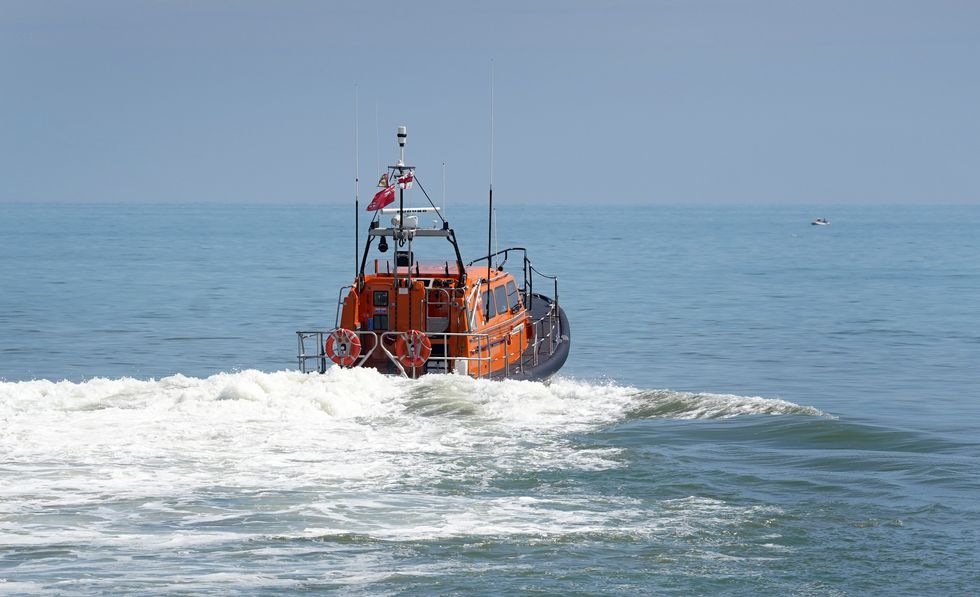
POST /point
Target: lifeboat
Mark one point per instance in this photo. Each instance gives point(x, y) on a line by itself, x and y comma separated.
point(409, 316)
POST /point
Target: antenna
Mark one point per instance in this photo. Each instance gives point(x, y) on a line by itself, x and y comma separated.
point(491, 123)
point(444, 190)
point(402, 137)
point(490, 214)
point(357, 198)
point(377, 135)
point(496, 237)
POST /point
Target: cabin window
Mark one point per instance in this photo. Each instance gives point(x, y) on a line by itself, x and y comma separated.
point(488, 303)
point(513, 298)
point(381, 298)
point(500, 297)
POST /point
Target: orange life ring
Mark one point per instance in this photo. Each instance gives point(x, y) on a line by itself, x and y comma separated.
point(413, 348)
point(343, 347)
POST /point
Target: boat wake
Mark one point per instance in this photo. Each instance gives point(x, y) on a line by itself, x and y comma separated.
point(357, 393)
point(348, 428)
point(668, 404)
point(254, 470)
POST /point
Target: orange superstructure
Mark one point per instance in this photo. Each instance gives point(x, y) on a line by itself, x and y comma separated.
point(479, 328)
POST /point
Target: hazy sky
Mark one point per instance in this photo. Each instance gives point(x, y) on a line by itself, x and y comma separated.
point(817, 102)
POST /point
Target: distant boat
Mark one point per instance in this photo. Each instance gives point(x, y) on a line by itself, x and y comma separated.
point(820, 222)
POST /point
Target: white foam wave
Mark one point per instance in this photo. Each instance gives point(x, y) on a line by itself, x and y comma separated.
point(352, 393)
point(181, 462)
point(254, 428)
point(687, 405)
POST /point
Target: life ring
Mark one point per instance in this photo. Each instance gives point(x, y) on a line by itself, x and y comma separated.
point(343, 347)
point(413, 348)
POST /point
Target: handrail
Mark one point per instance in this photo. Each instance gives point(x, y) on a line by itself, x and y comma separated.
point(483, 344)
point(553, 337)
point(321, 355)
point(546, 333)
point(503, 252)
point(340, 301)
point(527, 286)
point(543, 275)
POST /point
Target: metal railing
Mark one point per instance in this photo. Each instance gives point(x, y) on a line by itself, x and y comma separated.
point(449, 361)
point(546, 328)
point(341, 296)
point(527, 283)
point(544, 338)
point(319, 338)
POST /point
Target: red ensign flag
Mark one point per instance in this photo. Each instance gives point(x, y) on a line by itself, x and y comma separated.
point(382, 198)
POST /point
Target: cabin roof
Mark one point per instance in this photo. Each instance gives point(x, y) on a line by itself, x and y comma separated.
point(438, 269)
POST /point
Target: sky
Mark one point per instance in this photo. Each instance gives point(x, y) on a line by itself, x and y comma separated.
point(642, 102)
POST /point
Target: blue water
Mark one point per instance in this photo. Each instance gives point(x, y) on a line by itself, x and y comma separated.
point(751, 405)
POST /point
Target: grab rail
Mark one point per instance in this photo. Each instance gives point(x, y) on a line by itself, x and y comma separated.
point(340, 303)
point(449, 361)
point(320, 337)
point(527, 284)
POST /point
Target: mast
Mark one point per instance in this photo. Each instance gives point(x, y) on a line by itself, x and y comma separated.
point(404, 176)
point(402, 137)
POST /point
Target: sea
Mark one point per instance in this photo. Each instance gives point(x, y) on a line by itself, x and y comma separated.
point(752, 405)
